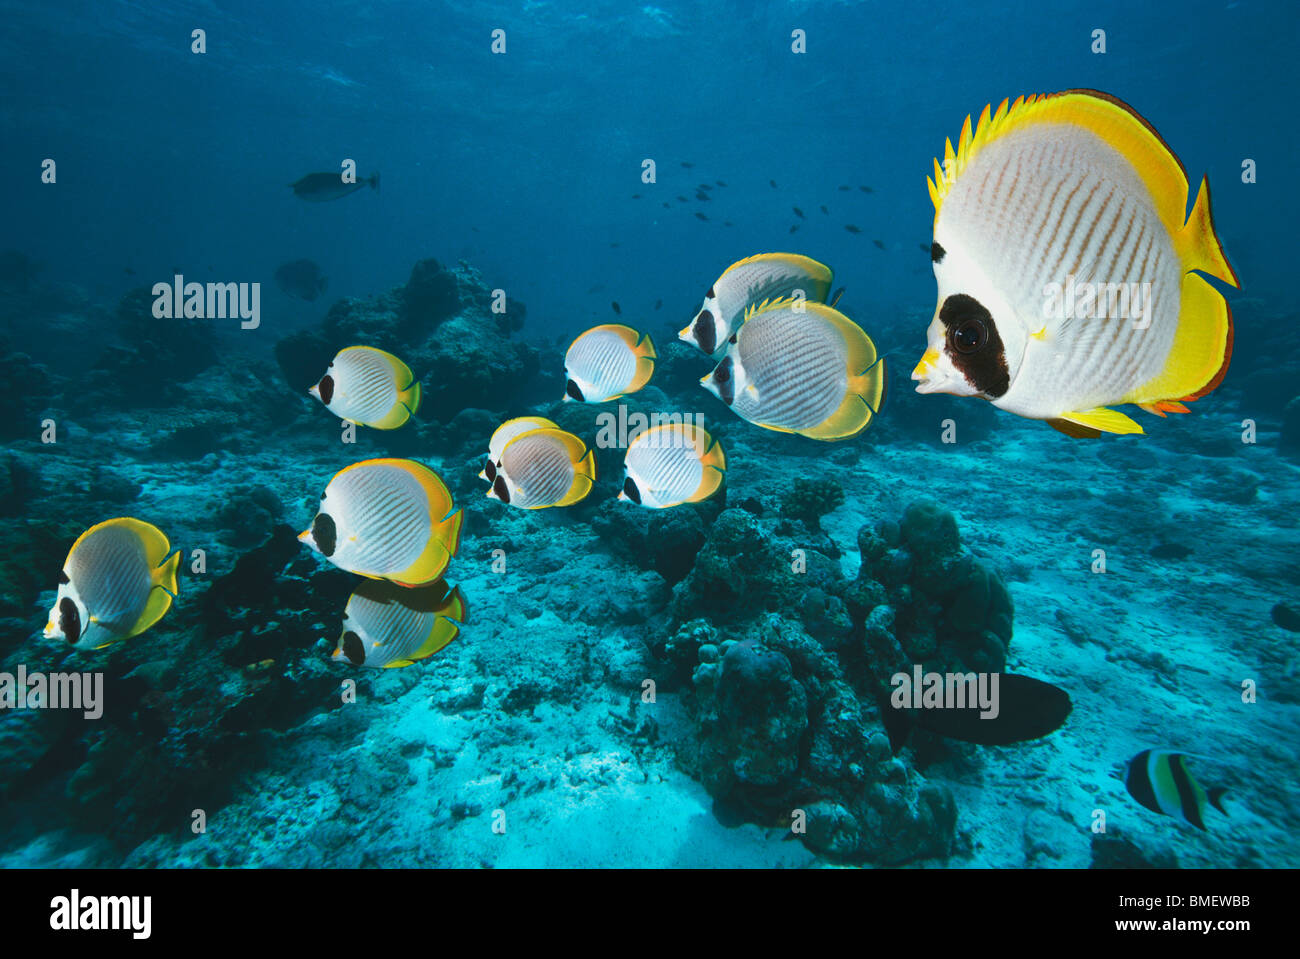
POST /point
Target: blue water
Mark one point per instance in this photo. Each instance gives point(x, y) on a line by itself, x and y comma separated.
point(524, 165)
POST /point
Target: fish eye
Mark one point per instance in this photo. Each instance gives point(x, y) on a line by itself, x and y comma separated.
point(710, 294)
point(499, 487)
point(69, 620)
point(970, 336)
point(631, 491)
point(353, 648)
point(326, 388)
point(706, 331)
point(63, 578)
point(571, 388)
point(324, 533)
point(490, 470)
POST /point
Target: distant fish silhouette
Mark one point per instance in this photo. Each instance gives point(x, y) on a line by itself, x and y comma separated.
point(687, 165)
point(794, 228)
point(658, 303)
point(844, 188)
point(880, 244)
point(773, 182)
point(705, 187)
point(720, 182)
point(617, 309)
point(301, 278)
point(866, 189)
point(851, 228)
point(824, 210)
point(700, 195)
point(681, 199)
point(700, 216)
point(320, 187)
point(1286, 617)
point(636, 196)
point(797, 212)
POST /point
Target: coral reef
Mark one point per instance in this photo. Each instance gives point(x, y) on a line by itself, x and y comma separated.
point(784, 690)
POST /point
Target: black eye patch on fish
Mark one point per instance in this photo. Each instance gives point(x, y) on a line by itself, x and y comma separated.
point(937, 253)
point(490, 469)
point(326, 389)
point(724, 381)
point(69, 620)
point(974, 344)
point(499, 487)
point(325, 533)
point(706, 331)
point(63, 578)
point(631, 491)
point(572, 389)
point(353, 648)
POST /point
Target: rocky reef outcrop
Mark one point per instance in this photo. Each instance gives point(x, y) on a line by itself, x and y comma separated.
point(442, 325)
point(784, 679)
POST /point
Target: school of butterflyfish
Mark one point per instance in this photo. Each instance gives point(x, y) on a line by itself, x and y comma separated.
point(1071, 185)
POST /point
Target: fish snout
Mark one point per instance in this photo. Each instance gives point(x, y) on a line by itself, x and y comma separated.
point(925, 368)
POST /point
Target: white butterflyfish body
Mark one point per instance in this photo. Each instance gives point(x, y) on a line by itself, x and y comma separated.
point(1065, 268)
point(387, 519)
point(370, 387)
point(672, 464)
point(803, 368)
point(118, 580)
point(607, 362)
point(543, 467)
point(386, 626)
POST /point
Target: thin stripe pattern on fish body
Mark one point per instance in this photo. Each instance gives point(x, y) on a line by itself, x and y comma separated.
point(797, 364)
point(750, 282)
point(1034, 209)
point(605, 360)
point(367, 386)
point(400, 629)
point(673, 471)
point(110, 571)
point(538, 469)
point(383, 518)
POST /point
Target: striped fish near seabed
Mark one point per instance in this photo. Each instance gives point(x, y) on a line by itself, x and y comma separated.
point(502, 436)
point(119, 579)
point(370, 387)
point(386, 626)
point(1073, 190)
point(543, 467)
point(1160, 780)
point(672, 464)
point(387, 519)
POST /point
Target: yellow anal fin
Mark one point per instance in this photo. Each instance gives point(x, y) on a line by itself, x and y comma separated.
point(444, 631)
point(1202, 348)
point(1103, 420)
point(444, 540)
point(395, 417)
